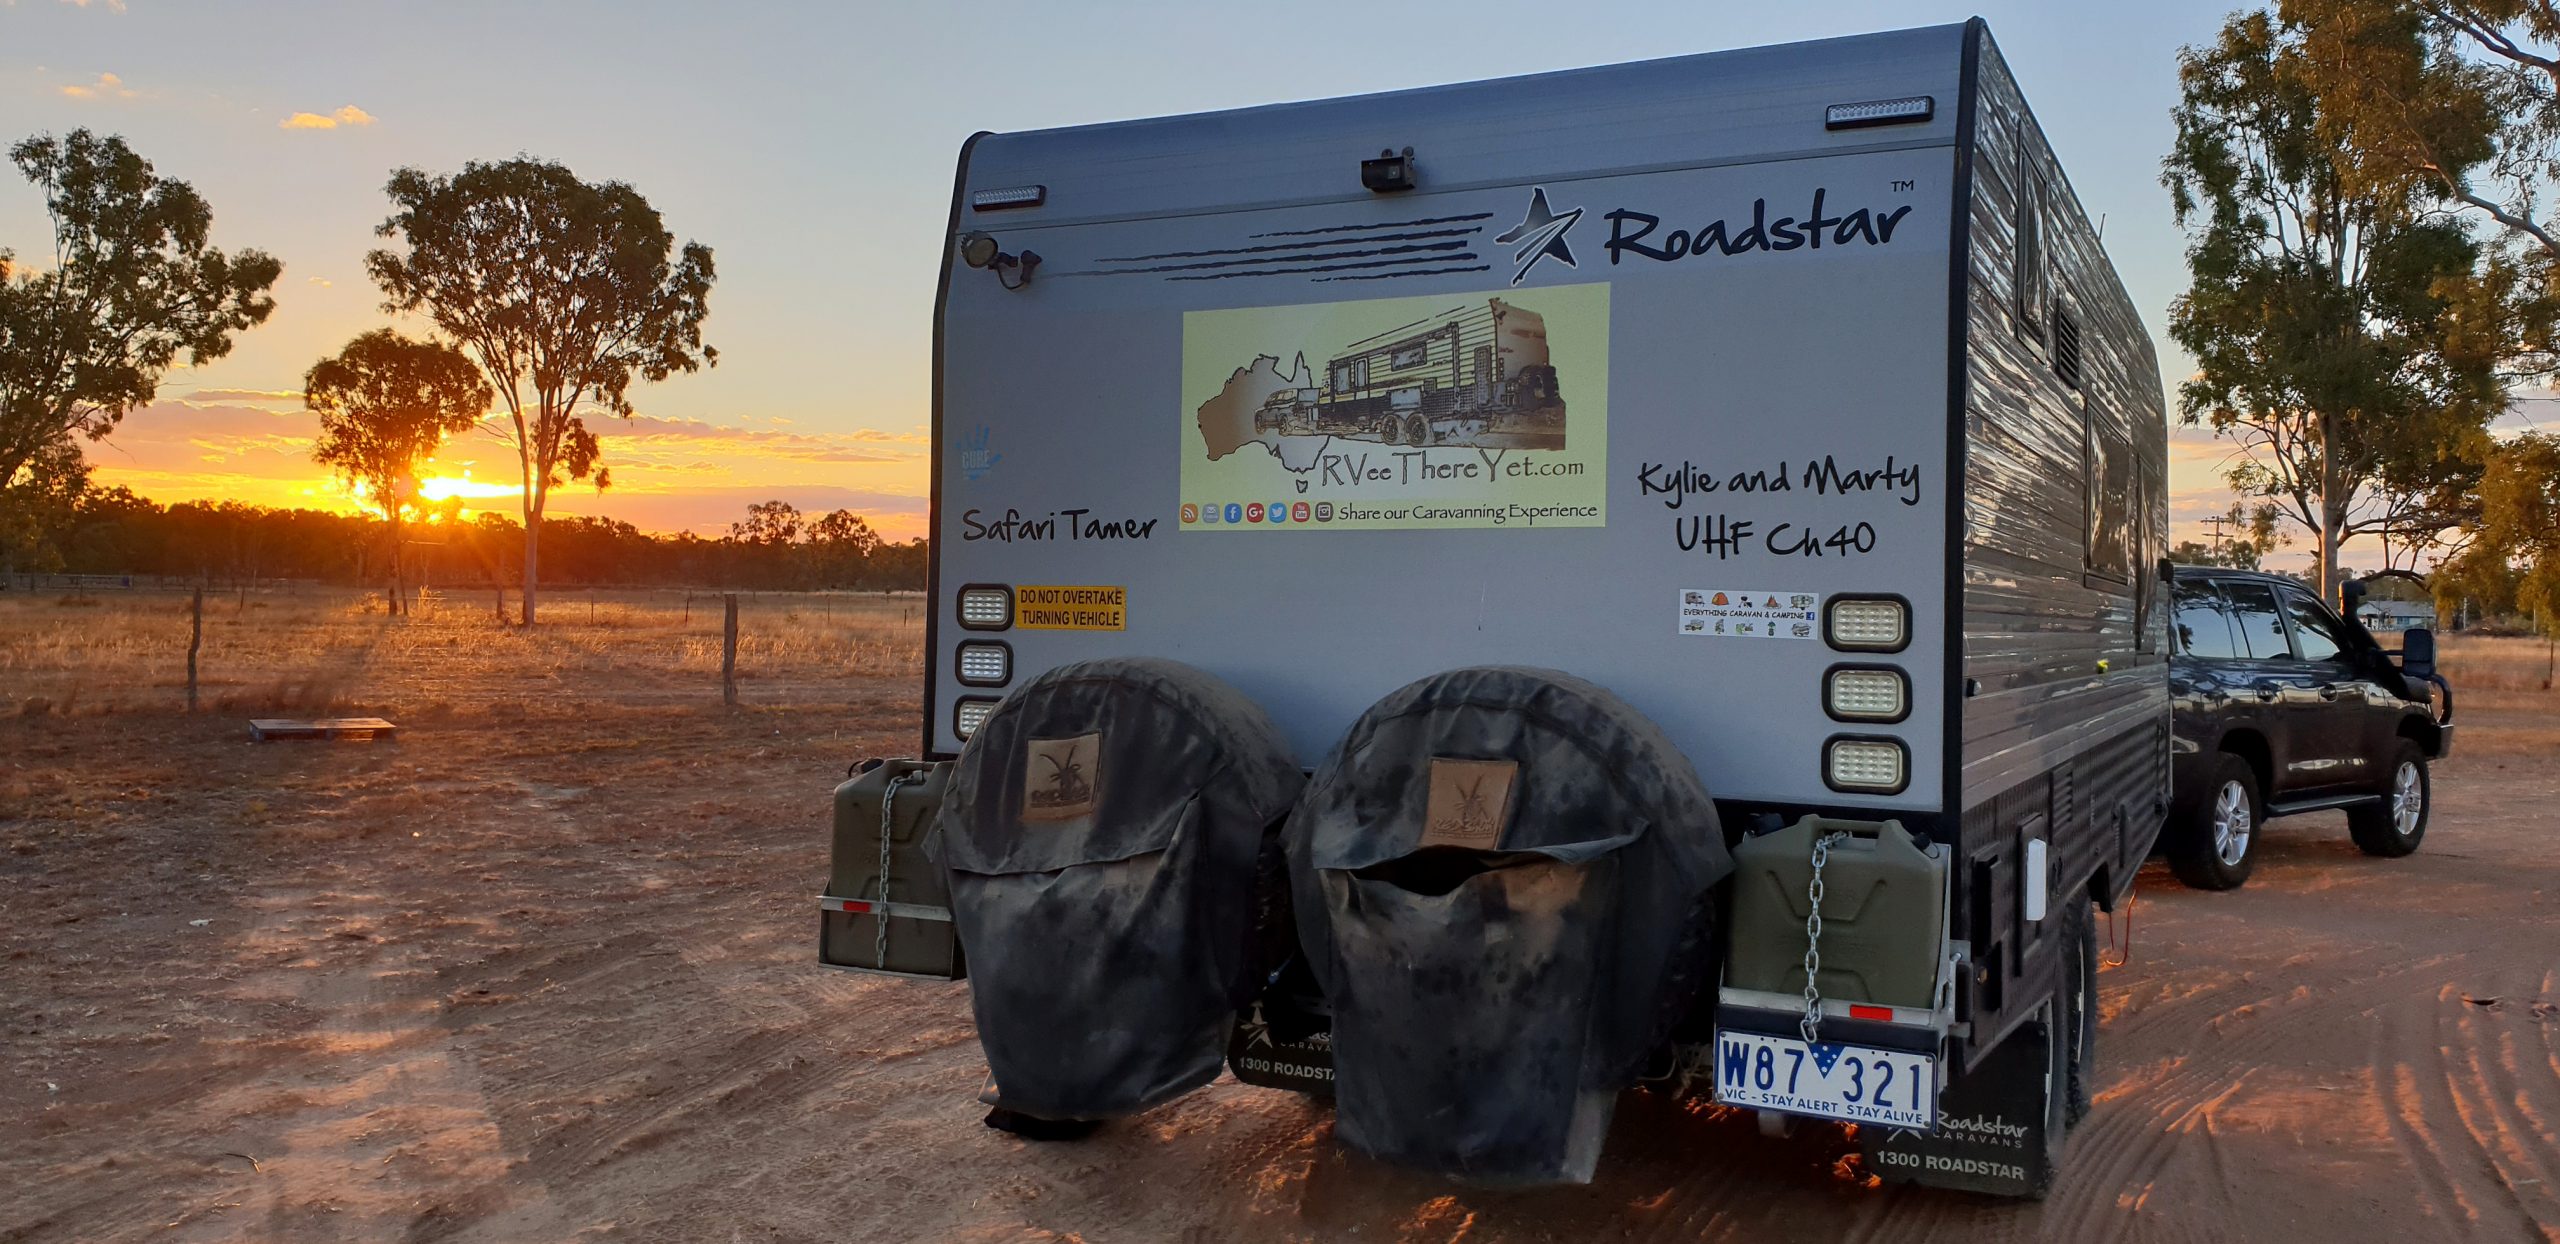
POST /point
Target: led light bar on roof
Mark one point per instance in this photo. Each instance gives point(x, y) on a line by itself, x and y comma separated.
point(1859, 115)
point(1009, 196)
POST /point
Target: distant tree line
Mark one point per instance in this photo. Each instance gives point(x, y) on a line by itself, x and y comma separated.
point(115, 531)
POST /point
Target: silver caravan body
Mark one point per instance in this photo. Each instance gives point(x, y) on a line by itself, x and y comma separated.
point(1652, 372)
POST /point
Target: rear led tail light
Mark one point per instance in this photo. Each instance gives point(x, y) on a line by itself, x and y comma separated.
point(1870, 766)
point(984, 663)
point(986, 607)
point(1853, 693)
point(1867, 623)
point(969, 714)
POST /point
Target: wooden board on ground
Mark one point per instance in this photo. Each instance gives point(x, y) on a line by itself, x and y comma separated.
point(265, 729)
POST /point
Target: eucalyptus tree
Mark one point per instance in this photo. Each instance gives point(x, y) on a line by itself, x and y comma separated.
point(564, 291)
point(2345, 337)
point(133, 284)
point(386, 403)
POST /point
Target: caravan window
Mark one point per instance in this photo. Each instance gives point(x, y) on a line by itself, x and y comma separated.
point(2146, 556)
point(2032, 292)
point(1351, 374)
point(2106, 455)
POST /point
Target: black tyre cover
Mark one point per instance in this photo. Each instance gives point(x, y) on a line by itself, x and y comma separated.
point(1102, 834)
point(1502, 879)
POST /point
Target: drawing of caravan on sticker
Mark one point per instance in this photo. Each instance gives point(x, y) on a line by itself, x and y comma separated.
point(1475, 375)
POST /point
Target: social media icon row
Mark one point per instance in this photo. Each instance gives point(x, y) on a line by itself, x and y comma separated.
point(1258, 512)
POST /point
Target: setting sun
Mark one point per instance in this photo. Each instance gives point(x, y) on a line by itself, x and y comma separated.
point(443, 487)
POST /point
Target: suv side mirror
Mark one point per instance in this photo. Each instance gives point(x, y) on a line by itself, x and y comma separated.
point(2418, 652)
point(2351, 596)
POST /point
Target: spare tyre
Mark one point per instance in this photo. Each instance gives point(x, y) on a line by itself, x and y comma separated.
point(1103, 834)
point(1503, 880)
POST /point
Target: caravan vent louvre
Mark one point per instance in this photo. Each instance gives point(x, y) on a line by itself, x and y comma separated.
point(2066, 347)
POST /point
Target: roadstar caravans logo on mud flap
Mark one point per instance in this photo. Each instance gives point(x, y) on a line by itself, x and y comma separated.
point(1449, 410)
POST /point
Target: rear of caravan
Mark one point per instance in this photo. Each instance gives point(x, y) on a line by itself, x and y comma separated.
point(1569, 473)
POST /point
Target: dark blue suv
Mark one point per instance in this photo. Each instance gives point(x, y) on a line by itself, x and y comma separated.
point(2283, 706)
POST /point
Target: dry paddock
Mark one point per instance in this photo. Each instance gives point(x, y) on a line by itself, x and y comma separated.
point(541, 971)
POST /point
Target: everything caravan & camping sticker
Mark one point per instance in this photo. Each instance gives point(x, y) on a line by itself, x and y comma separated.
point(1447, 410)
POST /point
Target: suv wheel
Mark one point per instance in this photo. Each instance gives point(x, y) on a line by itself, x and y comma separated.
point(2215, 844)
point(2393, 827)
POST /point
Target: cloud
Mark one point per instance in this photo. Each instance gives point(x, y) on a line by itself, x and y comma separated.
point(112, 6)
point(108, 86)
point(293, 396)
point(321, 281)
point(665, 438)
point(349, 115)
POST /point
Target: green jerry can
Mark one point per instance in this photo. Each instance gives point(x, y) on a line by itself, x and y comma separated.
point(887, 906)
point(1884, 904)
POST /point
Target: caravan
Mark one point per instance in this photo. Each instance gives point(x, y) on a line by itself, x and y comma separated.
point(1646, 574)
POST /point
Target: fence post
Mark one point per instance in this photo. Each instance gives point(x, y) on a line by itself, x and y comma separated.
point(729, 650)
point(195, 643)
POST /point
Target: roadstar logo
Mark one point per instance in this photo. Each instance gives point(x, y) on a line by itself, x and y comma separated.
point(1540, 235)
point(1993, 1128)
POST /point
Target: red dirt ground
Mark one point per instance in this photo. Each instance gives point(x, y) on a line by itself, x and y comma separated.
point(548, 976)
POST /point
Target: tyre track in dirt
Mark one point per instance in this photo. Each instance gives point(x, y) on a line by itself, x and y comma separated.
point(2468, 1119)
point(597, 1000)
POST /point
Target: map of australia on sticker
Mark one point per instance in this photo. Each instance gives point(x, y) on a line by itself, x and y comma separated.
point(1750, 614)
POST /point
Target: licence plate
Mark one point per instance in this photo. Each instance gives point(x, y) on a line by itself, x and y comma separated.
point(1827, 1080)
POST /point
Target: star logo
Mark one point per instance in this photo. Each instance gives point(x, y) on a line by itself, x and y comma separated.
point(1826, 1054)
point(1540, 235)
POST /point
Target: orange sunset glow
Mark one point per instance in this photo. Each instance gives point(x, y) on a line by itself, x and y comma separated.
point(669, 474)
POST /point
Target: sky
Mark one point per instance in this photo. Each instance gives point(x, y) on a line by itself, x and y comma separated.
point(811, 146)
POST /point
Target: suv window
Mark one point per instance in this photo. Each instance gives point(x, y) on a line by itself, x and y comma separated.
point(2254, 616)
point(2204, 623)
point(2316, 635)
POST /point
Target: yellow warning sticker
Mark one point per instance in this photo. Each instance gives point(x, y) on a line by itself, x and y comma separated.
point(1071, 608)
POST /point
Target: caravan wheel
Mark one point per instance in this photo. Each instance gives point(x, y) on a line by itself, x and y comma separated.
point(1417, 429)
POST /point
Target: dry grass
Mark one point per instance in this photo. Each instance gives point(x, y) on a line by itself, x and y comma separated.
point(324, 651)
point(2483, 663)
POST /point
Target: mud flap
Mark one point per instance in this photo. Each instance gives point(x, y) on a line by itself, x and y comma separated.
point(1260, 1054)
point(1998, 1132)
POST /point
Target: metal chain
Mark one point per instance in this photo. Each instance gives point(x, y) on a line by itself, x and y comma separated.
point(888, 826)
point(1811, 1025)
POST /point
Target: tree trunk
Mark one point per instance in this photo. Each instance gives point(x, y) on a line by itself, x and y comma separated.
point(2333, 509)
point(2332, 525)
point(399, 596)
point(532, 560)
